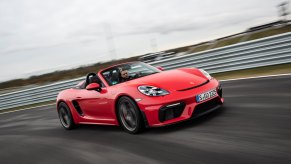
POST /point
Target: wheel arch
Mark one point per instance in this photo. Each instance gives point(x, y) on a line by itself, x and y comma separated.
point(116, 108)
point(60, 101)
point(73, 113)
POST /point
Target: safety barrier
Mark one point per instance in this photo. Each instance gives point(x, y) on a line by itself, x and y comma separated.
point(262, 52)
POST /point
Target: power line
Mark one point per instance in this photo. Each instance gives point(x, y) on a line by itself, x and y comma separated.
point(110, 41)
point(154, 44)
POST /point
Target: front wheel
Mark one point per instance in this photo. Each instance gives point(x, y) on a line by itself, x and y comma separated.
point(65, 116)
point(129, 116)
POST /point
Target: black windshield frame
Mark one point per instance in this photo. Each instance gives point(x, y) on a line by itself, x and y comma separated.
point(116, 70)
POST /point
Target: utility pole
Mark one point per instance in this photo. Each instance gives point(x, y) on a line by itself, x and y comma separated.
point(154, 44)
point(110, 41)
point(283, 10)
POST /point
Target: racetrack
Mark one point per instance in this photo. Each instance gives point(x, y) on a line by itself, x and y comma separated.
point(254, 126)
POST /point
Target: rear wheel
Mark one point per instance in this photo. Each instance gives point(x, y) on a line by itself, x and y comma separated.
point(65, 116)
point(129, 116)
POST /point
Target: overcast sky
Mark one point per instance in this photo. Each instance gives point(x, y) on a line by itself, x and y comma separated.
point(39, 36)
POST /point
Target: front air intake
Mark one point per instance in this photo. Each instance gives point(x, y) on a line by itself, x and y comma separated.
point(171, 111)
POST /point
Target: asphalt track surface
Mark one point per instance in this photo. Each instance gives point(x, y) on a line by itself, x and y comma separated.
point(254, 126)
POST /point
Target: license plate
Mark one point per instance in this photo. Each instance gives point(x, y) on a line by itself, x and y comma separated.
point(206, 95)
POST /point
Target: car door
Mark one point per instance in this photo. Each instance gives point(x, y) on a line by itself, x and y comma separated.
point(94, 105)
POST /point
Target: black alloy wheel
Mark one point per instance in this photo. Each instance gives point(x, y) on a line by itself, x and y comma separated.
point(65, 116)
point(129, 116)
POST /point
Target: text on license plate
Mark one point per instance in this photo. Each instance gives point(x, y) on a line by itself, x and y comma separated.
point(206, 95)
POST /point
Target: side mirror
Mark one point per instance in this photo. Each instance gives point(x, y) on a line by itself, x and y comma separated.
point(160, 68)
point(94, 86)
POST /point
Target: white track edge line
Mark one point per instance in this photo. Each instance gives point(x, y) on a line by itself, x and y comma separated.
point(257, 77)
point(17, 110)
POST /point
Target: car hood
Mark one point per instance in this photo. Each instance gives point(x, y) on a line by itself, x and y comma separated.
point(179, 79)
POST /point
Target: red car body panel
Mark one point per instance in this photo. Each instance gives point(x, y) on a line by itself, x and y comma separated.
point(100, 107)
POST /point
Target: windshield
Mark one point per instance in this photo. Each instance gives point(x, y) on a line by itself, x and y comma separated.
point(127, 72)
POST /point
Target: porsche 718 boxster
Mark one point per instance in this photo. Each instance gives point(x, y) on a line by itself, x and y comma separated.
point(136, 95)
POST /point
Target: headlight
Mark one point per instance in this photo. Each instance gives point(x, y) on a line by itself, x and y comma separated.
point(152, 91)
point(206, 74)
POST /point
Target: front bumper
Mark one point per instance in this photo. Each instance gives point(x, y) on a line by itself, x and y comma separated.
point(180, 105)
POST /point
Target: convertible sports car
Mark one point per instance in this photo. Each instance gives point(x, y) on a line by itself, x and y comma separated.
point(136, 95)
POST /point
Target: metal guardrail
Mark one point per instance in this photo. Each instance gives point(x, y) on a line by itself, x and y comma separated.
point(262, 52)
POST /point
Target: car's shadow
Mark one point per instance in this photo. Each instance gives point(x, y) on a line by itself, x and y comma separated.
point(164, 129)
point(104, 128)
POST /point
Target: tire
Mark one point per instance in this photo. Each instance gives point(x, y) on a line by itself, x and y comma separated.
point(129, 116)
point(65, 116)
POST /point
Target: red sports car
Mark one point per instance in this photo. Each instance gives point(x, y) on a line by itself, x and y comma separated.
point(136, 95)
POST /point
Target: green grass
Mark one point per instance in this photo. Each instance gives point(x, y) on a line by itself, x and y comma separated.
point(270, 32)
point(199, 48)
point(229, 41)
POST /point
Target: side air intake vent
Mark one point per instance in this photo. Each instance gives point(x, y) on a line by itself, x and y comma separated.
point(77, 107)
